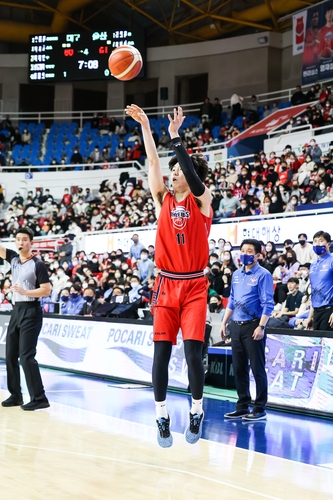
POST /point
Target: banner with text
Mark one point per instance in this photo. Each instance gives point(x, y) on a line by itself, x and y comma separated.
point(117, 350)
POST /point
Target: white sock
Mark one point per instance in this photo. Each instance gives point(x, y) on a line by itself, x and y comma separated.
point(196, 406)
point(161, 411)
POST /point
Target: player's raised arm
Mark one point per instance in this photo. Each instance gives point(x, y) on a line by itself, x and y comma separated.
point(155, 176)
point(196, 185)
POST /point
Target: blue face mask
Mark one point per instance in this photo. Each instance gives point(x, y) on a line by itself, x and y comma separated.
point(319, 249)
point(88, 299)
point(74, 295)
point(247, 260)
point(64, 298)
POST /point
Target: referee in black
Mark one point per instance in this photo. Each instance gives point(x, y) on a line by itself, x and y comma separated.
point(250, 306)
point(30, 282)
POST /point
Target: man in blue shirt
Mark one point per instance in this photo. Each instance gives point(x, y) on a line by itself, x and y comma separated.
point(136, 248)
point(250, 306)
point(321, 281)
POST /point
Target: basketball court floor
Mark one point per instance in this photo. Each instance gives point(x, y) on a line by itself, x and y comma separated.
point(98, 441)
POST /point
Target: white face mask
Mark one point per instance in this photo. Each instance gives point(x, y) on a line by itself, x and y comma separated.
point(293, 202)
point(274, 199)
point(227, 247)
point(135, 285)
point(211, 246)
point(268, 248)
point(60, 273)
point(322, 187)
point(144, 256)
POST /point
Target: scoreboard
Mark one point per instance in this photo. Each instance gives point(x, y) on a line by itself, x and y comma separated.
point(68, 57)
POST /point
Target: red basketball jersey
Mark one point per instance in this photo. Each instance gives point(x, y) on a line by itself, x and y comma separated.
point(182, 236)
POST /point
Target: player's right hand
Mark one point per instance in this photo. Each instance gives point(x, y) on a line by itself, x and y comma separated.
point(137, 114)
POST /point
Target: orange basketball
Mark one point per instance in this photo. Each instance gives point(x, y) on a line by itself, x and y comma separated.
point(125, 62)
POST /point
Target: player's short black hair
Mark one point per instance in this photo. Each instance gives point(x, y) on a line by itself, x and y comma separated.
point(199, 162)
point(253, 242)
point(325, 235)
point(302, 234)
point(91, 288)
point(27, 231)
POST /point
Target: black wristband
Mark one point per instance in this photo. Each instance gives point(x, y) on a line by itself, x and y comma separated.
point(263, 327)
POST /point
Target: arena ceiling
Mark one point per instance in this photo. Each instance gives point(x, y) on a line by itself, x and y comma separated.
point(166, 22)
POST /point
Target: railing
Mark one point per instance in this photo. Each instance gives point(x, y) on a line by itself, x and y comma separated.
point(83, 116)
point(83, 166)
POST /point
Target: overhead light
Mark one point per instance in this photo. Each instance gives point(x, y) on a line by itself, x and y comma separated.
point(212, 26)
point(262, 40)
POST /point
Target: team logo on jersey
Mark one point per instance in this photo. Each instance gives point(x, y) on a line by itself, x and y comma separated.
point(253, 280)
point(179, 216)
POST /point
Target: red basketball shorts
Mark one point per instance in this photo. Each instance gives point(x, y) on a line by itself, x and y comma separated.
point(179, 304)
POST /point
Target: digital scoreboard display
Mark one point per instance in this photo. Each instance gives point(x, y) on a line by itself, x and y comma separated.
point(68, 57)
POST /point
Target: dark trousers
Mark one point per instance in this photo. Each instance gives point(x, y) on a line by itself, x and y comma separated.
point(245, 349)
point(22, 335)
point(321, 316)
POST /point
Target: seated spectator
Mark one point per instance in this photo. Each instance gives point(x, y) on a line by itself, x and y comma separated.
point(64, 297)
point(267, 111)
point(291, 308)
point(95, 121)
point(215, 305)
point(15, 138)
point(104, 125)
point(75, 301)
point(145, 266)
point(96, 155)
point(271, 254)
point(133, 294)
point(164, 141)
point(215, 276)
point(228, 205)
point(91, 303)
point(244, 209)
point(303, 174)
point(76, 158)
point(314, 151)
point(304, 250)
point(25, 137)
point(321, 195)
point(67, 198)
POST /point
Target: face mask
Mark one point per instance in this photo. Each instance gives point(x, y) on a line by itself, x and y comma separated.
point(211, 246)
point(64, 298)
point(88, 299)
point(274, 199)
point(221, 246)
point(117, 263)
point(322, 187)
point(229, 195)
point(247, 260)
point(283, 169)
point(289, 259)
point(267, 204)
point(94, 261)
point(144, 256)
point(319, 249)
point(303, 201)
point(227, 248)
point(269, 248)
point(135, 285)
point(287, 248)
point(305, 274)
point(238, 184)
point(215, 272)
point(55, 265)
point(135, 240)
point(212, 307)
point(293, 202)
point(60, 273)
point(74, 295)
point(302, 242)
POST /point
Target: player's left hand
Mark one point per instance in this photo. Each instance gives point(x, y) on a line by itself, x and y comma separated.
point(177, 120)
point(258, 334)
point(18, 289)
point(330, 321)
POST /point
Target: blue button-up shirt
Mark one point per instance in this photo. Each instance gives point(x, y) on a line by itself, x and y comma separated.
point(251, 293)
point(321, 280)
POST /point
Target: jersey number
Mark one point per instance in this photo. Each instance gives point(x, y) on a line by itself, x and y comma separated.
point(180, 238)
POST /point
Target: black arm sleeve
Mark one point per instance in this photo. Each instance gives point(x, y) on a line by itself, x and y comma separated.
point(186, 164)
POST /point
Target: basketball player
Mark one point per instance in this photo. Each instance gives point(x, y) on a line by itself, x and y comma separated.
point(30, 282)
point(181, 252)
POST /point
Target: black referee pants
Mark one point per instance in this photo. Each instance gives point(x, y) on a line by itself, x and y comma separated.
point(321, 315)
point(22, 335)
point(244, 350)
